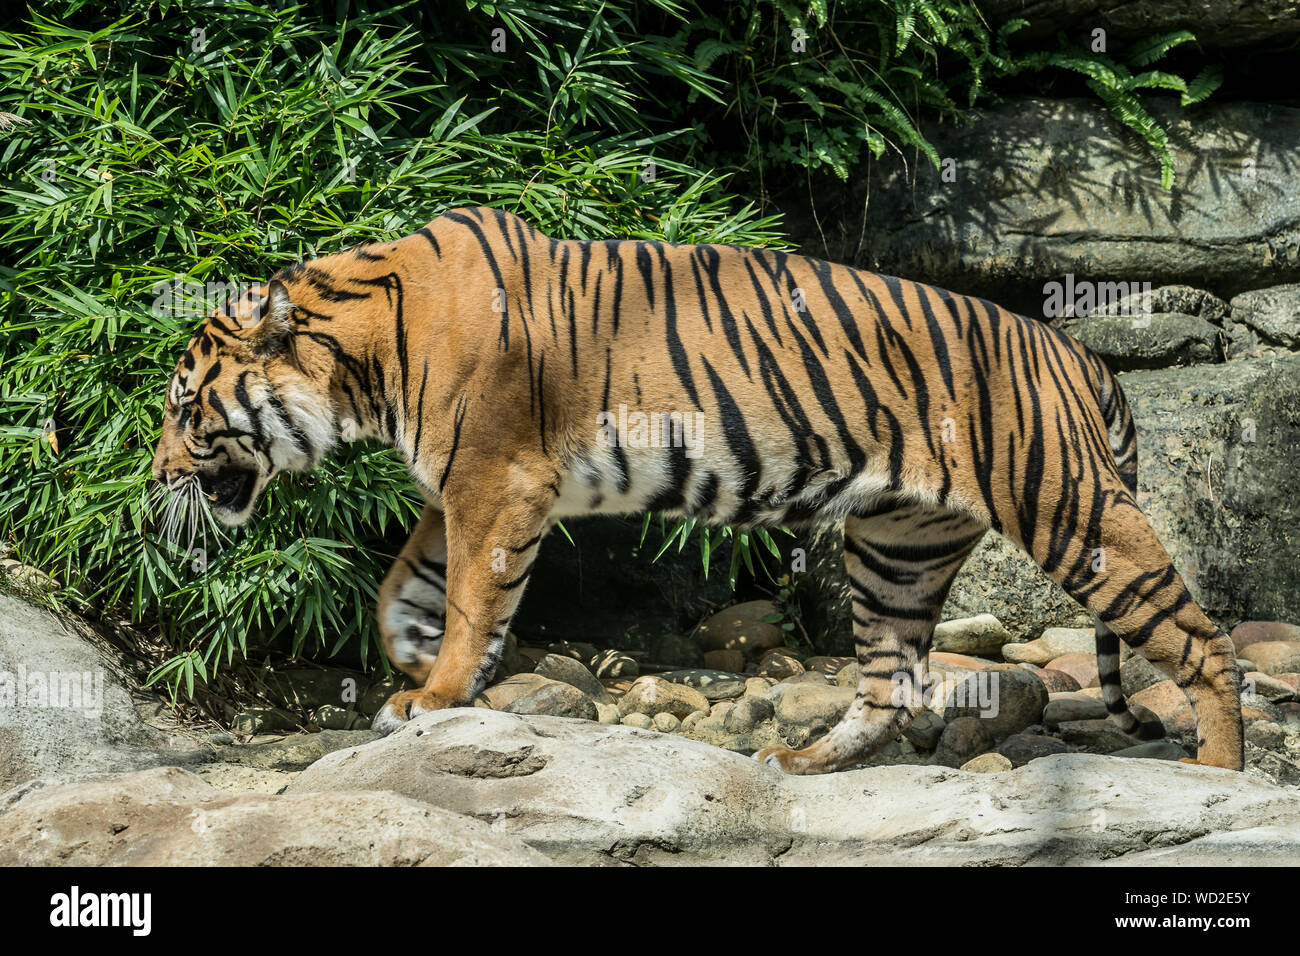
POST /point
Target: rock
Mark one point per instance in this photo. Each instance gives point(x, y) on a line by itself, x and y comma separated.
point(168, 817)
point(733, 661)
point(1254, 632)
point(714, 685)
point(1272, 766)
point(962, 739)
point(746, 714)
point(1137, 674)
point(652, 695)
point(583, 793)
point(1008, 700)
point(1158, 340)
point(1170, 705)
point(924, 732)
point(944, 661)
point(580, 651)
point(1055, 681)
point(809, 678)
point(665, 723)
point(556, 699)
point(245, 723)
point(805, 712)
point(568, 671)
point(779, 664)
point(331, 717)
point(607, 713)
point(1178, 299)
point(741, 628)
point(806, 703)
point(1001, 231)
point(513, 660)
point(613, 663)
point(692, 719)
point(847, 676)
point(982, 634)
point(673, 650)
point(1054, 642)
point(1019, 749)
point(1273, 314)
point(1274, 657)
point(757, 686)
point(987, 763)
point(1266, 734)
point(501, 695)
point(1260, 709)
point(94, 726)
point(1082, 667)
point(1059, 711)
point(1098, 736)
point(1239, 423)
point(295, 752)
point(376, 695)
point(639, 721)
point(1258, 684)
point(1219, 25)
point(306, 688)
point(830, 666)
point(1152, 750)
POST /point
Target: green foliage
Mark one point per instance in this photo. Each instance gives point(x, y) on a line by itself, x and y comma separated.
point(144, 160)
point(1117, 86)
point(789, 614)
point(750, 547)
point(147, 145)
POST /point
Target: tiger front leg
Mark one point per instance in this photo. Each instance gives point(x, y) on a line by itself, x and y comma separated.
point(413, 599)
point(492, 539)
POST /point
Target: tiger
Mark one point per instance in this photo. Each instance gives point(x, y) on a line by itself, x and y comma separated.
point(789, 391)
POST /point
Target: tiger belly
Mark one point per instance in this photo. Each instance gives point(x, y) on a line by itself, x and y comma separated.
point(715, 488)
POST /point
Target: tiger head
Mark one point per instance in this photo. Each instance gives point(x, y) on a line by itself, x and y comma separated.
point(241, 407)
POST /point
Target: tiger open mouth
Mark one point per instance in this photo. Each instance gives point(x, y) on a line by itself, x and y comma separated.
point(229, 488)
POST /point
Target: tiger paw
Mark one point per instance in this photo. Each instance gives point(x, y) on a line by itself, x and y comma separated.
point(404, 706)
point(782, 758)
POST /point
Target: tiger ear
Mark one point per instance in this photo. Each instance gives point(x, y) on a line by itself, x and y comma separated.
point(272, 331)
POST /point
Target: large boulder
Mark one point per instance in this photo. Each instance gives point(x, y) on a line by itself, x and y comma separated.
point(1046, 188)
point(592, 793)
point(169, 817)
point(1218, 24)
point(65, 707)
point(1215, 452)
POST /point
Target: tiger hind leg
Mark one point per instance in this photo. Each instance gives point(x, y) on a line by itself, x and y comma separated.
point(900, 565)
point(1125, 578)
